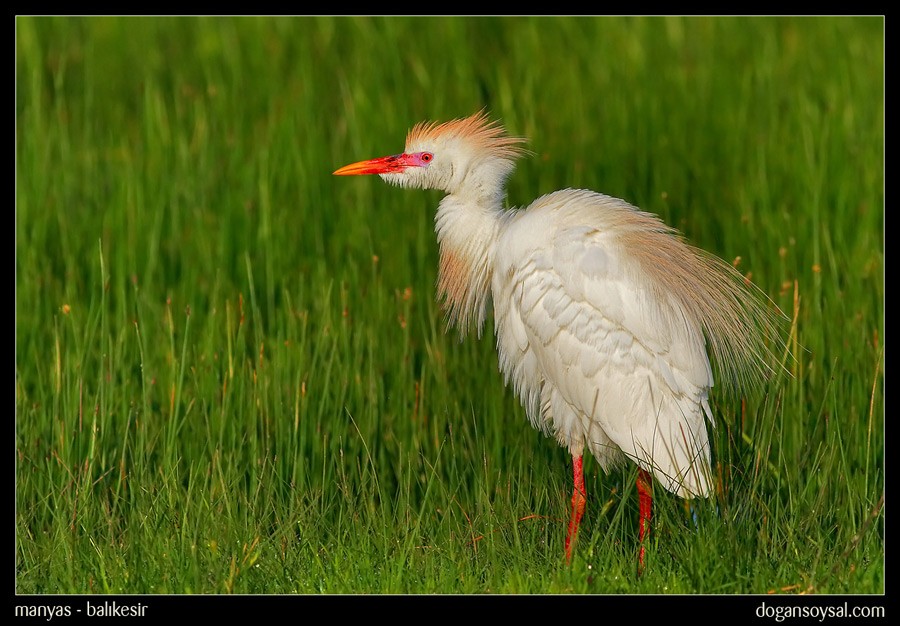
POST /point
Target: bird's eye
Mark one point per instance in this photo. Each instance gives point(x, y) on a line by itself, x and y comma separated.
point(426, 157)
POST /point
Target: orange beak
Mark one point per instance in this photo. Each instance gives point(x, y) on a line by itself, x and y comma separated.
point(381, 165)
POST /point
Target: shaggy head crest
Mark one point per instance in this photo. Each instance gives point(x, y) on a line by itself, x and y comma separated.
point(478, 131)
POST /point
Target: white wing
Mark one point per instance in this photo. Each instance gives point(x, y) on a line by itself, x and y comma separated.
point(597, 352)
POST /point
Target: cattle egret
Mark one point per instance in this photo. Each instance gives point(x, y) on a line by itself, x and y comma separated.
point(602, 313)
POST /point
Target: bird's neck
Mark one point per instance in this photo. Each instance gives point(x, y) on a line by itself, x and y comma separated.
point(466, 232)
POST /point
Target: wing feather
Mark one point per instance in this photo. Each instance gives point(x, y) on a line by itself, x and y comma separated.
point(598, 356)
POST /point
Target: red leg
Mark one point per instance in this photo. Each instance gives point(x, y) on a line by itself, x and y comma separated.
point(645, 511)
point(578, 501)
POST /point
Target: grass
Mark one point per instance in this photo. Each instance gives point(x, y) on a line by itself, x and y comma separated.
point(231, 376)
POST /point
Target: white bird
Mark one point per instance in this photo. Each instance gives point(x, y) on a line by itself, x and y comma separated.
point(602, 313)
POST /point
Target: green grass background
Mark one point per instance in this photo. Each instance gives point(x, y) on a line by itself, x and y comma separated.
point(231, 375)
